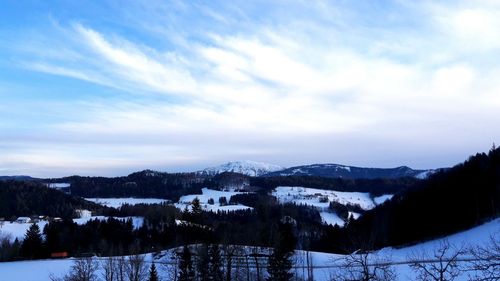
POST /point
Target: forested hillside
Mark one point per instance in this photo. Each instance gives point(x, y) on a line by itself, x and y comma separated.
point(141, 184)
point(26, 198)
point(462, 197)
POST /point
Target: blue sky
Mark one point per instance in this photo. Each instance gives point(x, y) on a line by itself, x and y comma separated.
point(111, 87)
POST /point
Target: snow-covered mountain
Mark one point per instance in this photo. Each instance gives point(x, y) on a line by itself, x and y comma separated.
point(249, 168)
point(350, 172)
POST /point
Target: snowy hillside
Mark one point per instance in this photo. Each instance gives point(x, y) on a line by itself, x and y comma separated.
point(16, 230)
point(321, 198)
point(324, 263)
point(118, 202)
point(211, 195)
point(313, 196)
point(249, 168)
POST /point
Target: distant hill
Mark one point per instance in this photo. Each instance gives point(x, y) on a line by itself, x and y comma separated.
point(249, 168)
point(350, 172)
point(18, 178)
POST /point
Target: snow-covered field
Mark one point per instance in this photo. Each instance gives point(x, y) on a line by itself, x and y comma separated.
point(325, 264)
point(311, 197)
point(18, 230)
point(331, 218)
point(315, 197)
point(118, 202)
point(207, 194)
point(58, 185)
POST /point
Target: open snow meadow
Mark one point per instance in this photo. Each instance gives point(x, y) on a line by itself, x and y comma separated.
point(16, 230)
point(324, 264)
point(321, 198)
point(211, 195)
point(118, 202)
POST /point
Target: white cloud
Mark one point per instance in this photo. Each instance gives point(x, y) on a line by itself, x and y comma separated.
point(280, 95)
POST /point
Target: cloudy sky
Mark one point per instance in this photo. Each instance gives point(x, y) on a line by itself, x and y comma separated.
point(111, 87)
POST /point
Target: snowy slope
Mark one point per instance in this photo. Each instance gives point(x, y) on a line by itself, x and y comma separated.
point(118, 202)
point(324, 263)
point(207, 194)
point(312, 196)
point(15, 230)
point(321, 198)
point(249, 168)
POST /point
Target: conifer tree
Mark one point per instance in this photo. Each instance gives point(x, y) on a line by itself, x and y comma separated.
point(196, 210)
point(280, 263)
point(202, 263)
point(32, 247)
point(153, 274)
point(215, 263)
point(186, 272)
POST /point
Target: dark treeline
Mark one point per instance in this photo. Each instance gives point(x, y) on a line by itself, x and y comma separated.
point(141, 184)
point(171, 186)
point(375, 187)
point(28, 198)
point(166, 227)
point(450, 201)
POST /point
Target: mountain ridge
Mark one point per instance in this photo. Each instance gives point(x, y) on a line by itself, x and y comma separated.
point(332, 170)
point(245, 167)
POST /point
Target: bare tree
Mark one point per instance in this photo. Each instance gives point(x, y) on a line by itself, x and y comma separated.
point(441, 265)
point(172, 268)
point(309, 266)
point(120, 268)
point(136, 269)
point(485, 265)
point(83, 269)
point(108, 269)
point(364, 266)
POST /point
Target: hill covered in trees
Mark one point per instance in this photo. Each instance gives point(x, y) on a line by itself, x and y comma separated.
point(449, 201)
point(27, 198)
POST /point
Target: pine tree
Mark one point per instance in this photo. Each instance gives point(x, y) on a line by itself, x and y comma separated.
point(153, 274)
point(196, 210)
point(280, 263)
point(214, 268)
point(186, 272)
point(202, 263)
point(196, 206)
point(32, 247)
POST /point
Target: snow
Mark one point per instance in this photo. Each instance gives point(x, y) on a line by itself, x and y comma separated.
point(324, 263)
point(249, 168)
point(425, 174)
point(118, 202)
point(58, 185)
point(311, 196)
point(331, 218)
point(137, 222)
point(207, 194)
point(18, 230)
point(15, 230)
point(381, 199)
point(354, 215)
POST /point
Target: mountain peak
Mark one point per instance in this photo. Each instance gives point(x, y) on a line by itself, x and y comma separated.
point(246, 167)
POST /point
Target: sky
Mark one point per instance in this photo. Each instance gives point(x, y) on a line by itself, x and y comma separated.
point(111, 87)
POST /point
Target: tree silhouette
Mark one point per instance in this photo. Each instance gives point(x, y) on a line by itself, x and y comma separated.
point(153, 274)
point(32, 246)
point(186, 272)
